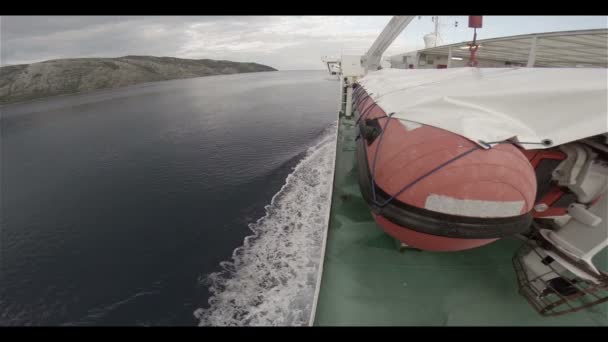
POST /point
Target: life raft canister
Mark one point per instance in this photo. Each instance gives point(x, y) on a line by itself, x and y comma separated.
point(435, 190)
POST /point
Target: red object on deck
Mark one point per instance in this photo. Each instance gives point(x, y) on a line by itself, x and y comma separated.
point(475, 21)
point(552, 195)
point(428, 242)
point(437, 211)
point(535, 156)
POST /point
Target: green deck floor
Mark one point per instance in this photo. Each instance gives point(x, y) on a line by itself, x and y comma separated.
point(367, 281)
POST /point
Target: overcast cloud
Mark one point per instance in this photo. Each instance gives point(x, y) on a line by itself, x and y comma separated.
point(282, 42)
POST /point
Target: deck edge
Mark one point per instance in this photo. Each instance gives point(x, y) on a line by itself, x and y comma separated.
point(326, 232)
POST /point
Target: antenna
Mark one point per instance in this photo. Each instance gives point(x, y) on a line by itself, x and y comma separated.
point(436, 27)
point(439, 26)
point(435, 19)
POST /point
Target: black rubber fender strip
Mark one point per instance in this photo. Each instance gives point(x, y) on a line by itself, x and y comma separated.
point(432, 222)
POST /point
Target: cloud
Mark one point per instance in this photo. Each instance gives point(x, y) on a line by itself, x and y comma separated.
point(110, 37)
point(284, 42)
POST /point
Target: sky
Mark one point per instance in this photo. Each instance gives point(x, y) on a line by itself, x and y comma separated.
point(283, 42)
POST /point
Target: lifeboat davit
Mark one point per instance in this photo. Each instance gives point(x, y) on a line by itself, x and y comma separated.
point(438, 191)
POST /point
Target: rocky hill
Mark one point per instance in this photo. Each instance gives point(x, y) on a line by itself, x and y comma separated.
point(66, 76)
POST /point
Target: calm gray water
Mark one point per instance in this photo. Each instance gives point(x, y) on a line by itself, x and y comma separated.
point(115, 204)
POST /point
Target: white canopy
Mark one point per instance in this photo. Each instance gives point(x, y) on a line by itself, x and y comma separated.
point(496, 104)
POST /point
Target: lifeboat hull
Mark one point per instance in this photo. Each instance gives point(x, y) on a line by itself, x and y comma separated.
point(435, 190)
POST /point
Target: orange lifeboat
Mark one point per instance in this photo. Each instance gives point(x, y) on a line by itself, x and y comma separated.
point(438, 191)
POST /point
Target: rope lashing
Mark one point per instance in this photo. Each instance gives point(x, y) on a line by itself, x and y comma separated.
point(415, 181)
point(366, 111)
point(544, 142)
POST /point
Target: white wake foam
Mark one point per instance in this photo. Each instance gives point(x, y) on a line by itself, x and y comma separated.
point(271, 279)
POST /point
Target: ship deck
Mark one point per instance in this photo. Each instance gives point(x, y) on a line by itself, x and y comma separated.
point(368, 281)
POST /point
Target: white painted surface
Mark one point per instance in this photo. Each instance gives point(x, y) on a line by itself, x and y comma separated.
point(475, 208)
point(580, 238)
point(529, 104)
point(349, 101)
point(351, 66)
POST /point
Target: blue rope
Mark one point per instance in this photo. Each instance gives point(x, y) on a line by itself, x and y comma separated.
point(366, 111)
point(357, 91)
point(518, 142)
point(359, 100)
point(545, 142)
point(376, 155)
point(414, 182)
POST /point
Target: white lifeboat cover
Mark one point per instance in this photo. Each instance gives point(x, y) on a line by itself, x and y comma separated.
point(496, 104)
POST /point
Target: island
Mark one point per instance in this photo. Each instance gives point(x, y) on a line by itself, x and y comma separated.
point(26, 82)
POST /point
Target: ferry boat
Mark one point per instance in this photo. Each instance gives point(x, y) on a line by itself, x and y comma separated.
point(472, 194)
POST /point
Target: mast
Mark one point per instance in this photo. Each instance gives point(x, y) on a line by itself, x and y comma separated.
point(436, 20)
